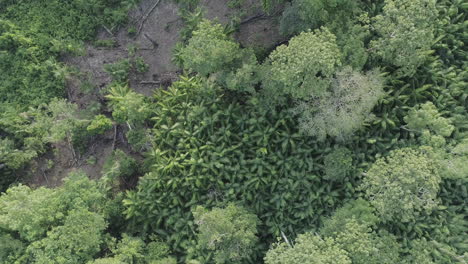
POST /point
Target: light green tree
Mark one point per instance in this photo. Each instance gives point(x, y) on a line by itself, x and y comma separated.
point(426, 121)
point(29, 212)
point(403, 184)
point(230, 233)
point(406, 33)
point(210, 50)
point(302, 69)
point(344, 18)
point(76, 241)
point(308, 248)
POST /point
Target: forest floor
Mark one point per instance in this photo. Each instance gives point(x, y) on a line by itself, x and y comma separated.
point(157, 34)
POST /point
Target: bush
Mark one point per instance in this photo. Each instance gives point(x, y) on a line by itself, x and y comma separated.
point(99, 125)
point(210, 50)
point(119, 71)
point(128, 106)
point(338, 164)
point(117, 169)
point(29, 75)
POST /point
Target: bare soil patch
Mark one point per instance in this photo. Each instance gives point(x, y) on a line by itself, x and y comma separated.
point(155, 41)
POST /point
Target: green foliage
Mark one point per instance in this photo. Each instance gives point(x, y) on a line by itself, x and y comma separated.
point(76, 241)
point(207, 149)
point(105, 43)
point(129, 250)
point(29, 75)
point(139, 139)
point(68, 225)
point(29, 212)
point(455, 164)
point(364, 246)
point(403, 184)
point(342, 110)
point(406, 33)
point(268, 5)
point(344, 18)
point(118, 168)
point(209, 142)
point(68, 20)
point(359, 210)
point(353, 228)
point(10, 248)
point(210, 50)
point(99, 125)
point(133, 250)
point(128, 106)
point(288, 71)
point(338, 164)
point(426, 120)
point(308, 248)
point(243, 79)
point(64, 119)
point(119, 71)
point(12, 157)
point(228, 232)
point(141, 65)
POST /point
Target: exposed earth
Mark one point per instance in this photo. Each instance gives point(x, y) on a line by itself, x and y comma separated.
point(158, 24)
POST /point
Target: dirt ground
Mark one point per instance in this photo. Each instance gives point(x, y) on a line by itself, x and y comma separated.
point(155, 41)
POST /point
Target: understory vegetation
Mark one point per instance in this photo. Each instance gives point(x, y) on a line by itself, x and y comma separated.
point(347, 143)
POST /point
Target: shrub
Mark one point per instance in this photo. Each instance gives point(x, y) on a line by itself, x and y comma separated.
point(141, 65)
point(338, 164)
point(118, 168)
point(29, 75)
point(128, 106)
point(119, 71)
point(210, 50)
point(99, 125)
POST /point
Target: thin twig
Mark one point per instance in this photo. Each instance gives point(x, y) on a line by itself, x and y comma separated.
point(150, 82)
point(155, 44)
point(250, 19)
point(115, 137)
point(45, 176)
point(285, 239)
point(108, 30)
point(260, 16)
point(143, 20)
